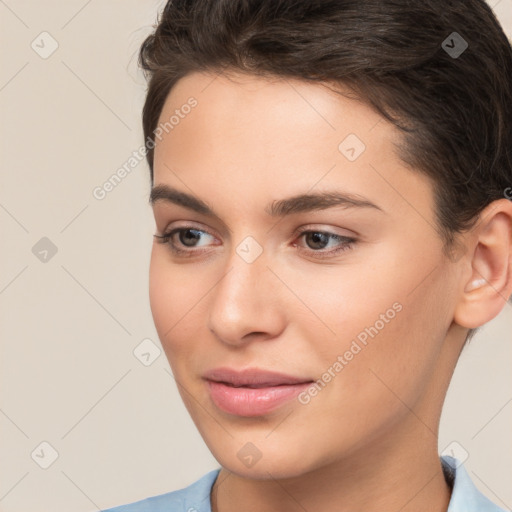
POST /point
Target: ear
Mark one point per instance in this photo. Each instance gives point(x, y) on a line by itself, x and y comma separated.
point(487, 283)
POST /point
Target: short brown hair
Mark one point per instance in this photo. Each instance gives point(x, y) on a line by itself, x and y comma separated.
point(454, 109)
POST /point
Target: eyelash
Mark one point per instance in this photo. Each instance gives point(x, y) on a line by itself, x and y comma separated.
point(346, 242)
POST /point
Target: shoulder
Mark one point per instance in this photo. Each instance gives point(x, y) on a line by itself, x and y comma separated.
point(194, 498)
point(465, 496)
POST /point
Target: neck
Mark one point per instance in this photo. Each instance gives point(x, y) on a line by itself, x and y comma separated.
point(408, 479)
point(399, 470)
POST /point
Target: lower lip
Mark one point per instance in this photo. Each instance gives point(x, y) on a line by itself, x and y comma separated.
point(252, 401)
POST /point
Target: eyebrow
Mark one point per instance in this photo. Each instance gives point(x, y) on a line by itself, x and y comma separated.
point(279, 208)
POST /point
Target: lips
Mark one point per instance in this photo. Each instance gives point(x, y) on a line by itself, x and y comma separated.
point(252, 392)
point(252, 378)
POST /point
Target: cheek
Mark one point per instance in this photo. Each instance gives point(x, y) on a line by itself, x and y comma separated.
point(178, 301)
point(344, 299)
point(159, 296)
point(169, 297)
point(387, 329)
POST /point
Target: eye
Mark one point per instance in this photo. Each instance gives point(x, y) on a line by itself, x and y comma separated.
point(188, 237)
point(317, 241)
point(190, 241)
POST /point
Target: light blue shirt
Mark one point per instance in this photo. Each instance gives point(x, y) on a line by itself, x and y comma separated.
point(196, 497)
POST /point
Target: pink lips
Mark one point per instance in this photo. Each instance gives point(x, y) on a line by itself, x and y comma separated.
point(252, 392)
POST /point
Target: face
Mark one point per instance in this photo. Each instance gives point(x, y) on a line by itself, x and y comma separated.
point(346, 288)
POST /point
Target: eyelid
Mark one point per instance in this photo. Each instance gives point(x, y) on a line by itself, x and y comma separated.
point(162, 209)
point(345, 242)
point(298, 231)
point(347, 233)
point(188, 224)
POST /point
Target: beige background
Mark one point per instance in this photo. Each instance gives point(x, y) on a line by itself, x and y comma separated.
point(69, 325)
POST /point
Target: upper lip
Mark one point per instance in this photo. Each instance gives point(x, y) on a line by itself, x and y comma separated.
point(252, 377)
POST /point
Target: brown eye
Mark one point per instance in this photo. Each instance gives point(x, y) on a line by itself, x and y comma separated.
point(188, 237)
point(316, 239)
point(316, 243)
point(189, 242)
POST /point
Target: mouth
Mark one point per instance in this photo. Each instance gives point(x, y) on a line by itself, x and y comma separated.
point(253, 378)
point(253, 386)
point(252, 392)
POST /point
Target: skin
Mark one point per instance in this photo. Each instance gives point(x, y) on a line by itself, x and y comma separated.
point(249, 142)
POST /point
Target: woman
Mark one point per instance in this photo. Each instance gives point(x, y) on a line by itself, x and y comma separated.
point(332, 225)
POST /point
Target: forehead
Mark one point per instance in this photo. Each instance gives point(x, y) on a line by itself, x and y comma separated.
point(243, 93)
point(268, 116)
point(249, 139)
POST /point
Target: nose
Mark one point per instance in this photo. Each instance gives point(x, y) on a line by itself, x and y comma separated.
point(245, 303)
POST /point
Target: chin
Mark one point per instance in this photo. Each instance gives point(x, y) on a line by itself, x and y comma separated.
point(277, 460)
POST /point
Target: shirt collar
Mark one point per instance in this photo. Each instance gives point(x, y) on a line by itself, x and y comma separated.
point(465, 496)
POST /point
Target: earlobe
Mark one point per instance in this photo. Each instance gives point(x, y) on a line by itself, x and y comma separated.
point(489, 285)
